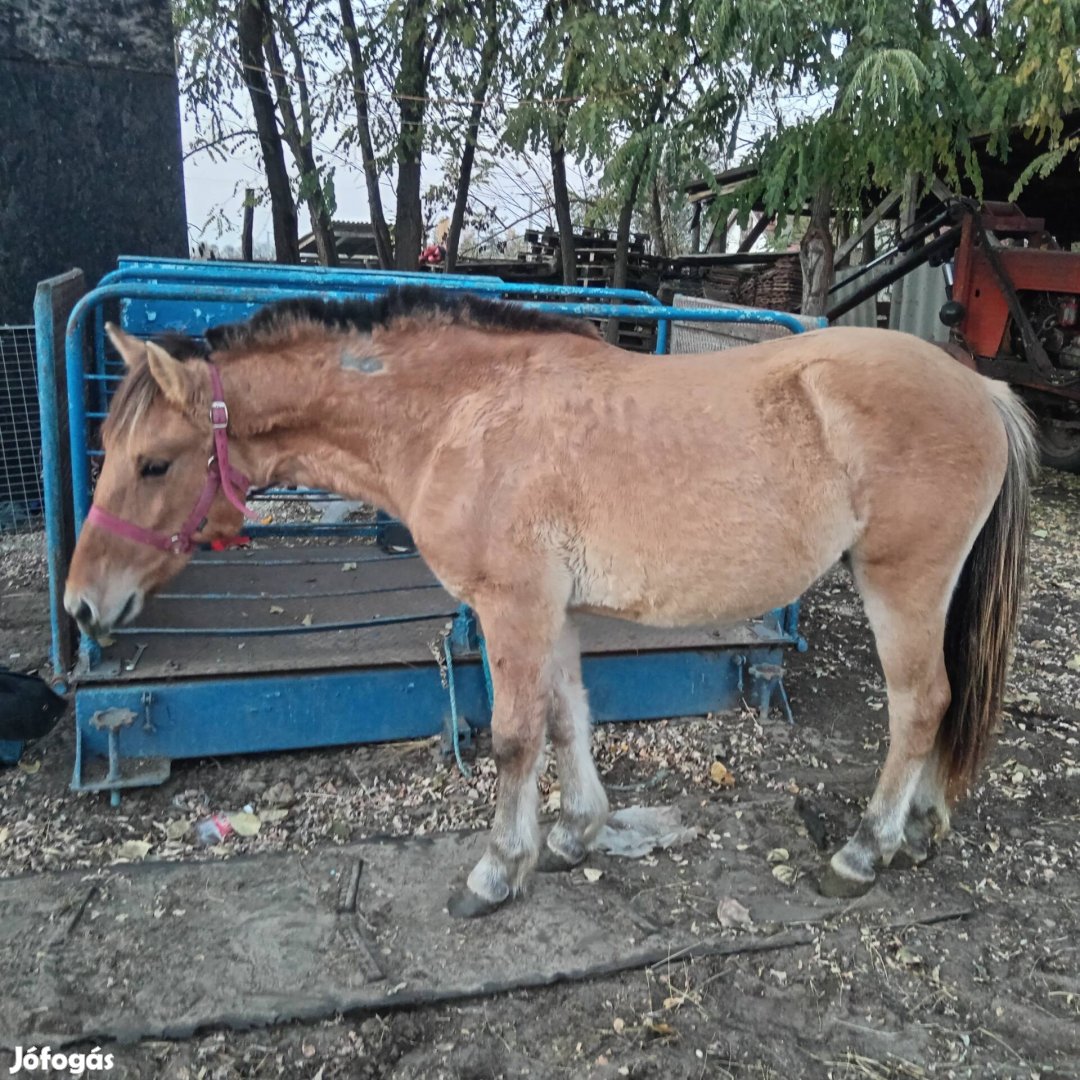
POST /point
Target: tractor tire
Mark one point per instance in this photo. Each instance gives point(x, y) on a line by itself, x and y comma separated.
point(1060, 445)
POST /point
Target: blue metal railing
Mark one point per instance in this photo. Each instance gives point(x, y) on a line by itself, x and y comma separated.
point(370, 282)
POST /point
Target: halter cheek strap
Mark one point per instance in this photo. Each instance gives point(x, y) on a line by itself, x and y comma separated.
point(220, 476)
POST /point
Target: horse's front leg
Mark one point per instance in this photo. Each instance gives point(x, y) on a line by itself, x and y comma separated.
point(584, 805)
point(520, 640)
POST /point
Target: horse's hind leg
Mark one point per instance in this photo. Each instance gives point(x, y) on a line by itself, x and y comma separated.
point(906, 604)
point(583, 807)
point(520, 638)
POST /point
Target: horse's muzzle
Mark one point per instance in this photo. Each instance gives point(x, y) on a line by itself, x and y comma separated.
point(97, 619)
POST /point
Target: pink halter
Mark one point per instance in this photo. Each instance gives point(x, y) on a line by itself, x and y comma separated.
point(220, 475)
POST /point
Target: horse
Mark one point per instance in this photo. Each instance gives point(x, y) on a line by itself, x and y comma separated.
point(528, 459)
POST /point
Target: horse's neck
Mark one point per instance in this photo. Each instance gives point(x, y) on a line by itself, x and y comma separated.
point(358, 435)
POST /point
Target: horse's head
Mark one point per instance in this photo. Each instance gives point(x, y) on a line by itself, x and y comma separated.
point(153, 500)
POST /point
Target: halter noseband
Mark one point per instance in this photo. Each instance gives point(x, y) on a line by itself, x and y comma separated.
point(220, 476)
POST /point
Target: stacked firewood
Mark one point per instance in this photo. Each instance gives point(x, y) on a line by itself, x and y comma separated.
point(778, 287)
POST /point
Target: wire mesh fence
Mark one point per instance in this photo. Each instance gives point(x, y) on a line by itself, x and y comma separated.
point(21, 499)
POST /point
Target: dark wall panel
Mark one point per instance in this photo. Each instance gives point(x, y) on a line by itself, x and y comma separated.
point(90, 153)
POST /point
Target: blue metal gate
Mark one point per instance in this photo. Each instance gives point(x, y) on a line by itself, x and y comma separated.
point(322, 637)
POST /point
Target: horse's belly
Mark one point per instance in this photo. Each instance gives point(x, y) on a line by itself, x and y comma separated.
point(712, 579)
point(690, 605)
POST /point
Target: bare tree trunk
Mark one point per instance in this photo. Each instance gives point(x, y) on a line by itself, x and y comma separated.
point(489, 54)
point(299, 139)
point(251, 29)
point(383, 244)
point(659, 240)
point(695, 230)
point(561, 194)
point(868, 247)
point(411, 88)
point(247, 245)
point(816, 255)
point(622, 242)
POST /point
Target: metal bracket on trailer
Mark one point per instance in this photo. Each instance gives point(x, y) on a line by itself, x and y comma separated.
point(116, 772)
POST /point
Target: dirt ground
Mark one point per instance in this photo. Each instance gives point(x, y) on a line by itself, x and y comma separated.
point(993, 994)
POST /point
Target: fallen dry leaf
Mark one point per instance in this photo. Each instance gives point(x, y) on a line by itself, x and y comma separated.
point(177, 830)
point(778, 855)
point(245, 824)
point(731, 913)
point(133, 849)
point(785, 873)
point(720, 774)
point(276, 609)
point(592, 874)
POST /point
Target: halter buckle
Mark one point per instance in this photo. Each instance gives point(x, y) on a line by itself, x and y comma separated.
point(219, 415)
point(177, 544)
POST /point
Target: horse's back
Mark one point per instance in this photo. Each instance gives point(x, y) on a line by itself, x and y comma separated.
point(724, 483)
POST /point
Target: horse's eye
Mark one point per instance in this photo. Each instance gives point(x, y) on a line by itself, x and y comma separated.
point(154, 468)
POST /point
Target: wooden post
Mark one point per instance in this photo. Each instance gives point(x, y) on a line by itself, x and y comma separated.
point(717, 244)
point(695, 230)
point(247, 250)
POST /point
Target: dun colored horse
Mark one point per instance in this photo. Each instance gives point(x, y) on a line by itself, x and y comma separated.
point(529, 459)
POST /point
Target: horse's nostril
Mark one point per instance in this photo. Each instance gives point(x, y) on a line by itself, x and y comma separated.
point(85, 614)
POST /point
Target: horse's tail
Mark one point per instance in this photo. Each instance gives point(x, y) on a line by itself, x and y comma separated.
point(985, 606)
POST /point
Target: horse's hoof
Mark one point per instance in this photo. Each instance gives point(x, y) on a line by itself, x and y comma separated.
point(838, 887)
point(909, 856)
point(553, 862)
point(465, 904)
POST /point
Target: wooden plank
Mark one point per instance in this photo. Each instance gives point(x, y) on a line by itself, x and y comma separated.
point(868, 223)
point(751, 237)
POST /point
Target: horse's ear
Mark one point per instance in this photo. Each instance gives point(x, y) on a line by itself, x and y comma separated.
point(132, 351)
point(179, 382)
